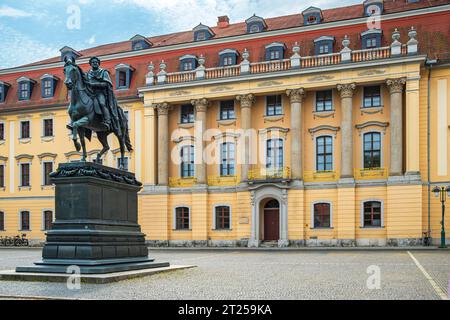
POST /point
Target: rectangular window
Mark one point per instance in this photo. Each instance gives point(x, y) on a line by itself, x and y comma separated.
point(2, 131)
point(324, 49)
point(188, 66)
point(24, 174)
point(324, 100)
point(182, 218)
point(228, 61)
point(227, 159)
point(47, 88)
point(274, 156)
point(227, 110)
point(25, 129)
point(2, 92)
point(372, 150)
point(372, 97)
point(187, 113)
point(274, 106)
point(48, 220)
point(2, 175)
point(187, 161)
point(322, 215)
point(275, 55)
point(125, 163)
point(372, 214)
point(122, 79)
point(371, 42)
point(324, 153)
point(25, 220)
point(47, 169)
point(222, 217)
point(23, 91)
point(48, 127)
point(2, 221)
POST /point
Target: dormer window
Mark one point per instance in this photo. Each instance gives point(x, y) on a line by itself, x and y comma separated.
point(69, 53)
point(323, 45)
point(255, 24)
point(123, 76)
point(3, 91)
point(25, 87)
point(372, 7)
point(202, 32)
point(228, 57)
point(48, 84)
point(188, 62)
point(312, 15)
point(275, 51)
point(371, 39)
point(139, 42)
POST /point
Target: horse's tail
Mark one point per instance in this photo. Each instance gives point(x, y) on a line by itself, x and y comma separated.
point(124, 125)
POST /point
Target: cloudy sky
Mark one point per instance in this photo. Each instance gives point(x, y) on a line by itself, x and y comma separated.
point(33, 30)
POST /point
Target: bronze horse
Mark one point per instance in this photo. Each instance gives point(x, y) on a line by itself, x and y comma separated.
point(84, 119)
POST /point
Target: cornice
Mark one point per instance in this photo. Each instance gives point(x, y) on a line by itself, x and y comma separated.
point(243, 37)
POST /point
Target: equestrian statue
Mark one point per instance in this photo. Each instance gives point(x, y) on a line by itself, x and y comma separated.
point(93, 107)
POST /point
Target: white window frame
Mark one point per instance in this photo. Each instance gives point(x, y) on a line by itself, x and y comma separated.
point(20, 128)
point(214, 227)
point(331, 214)
point(282, 106)
point(180, 167)
point(381, 146)
point(333, 137)
point(20, 219)
point(43, 217)
point(43, 171)
point(332, 101)
point(381, 96)
point(284, 150)
point(128, 162)
point(43, 127)
point(362, 213)
point(20, 174)
point(219, 147)
point(174, 218)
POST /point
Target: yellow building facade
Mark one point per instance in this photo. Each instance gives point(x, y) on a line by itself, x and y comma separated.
point(338, 149)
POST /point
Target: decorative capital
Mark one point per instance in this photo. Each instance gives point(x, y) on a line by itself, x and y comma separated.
point(346, 90)
point(163, 108)
point(296, 95)
point(200, 105)
point(396, 85)
point(246, 100)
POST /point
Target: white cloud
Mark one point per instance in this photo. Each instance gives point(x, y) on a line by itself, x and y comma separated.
point(6, 11)
point(91, 40)
point(177, 15)
point(17, 49)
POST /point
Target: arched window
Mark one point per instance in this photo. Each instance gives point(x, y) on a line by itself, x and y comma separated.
point(2, 220)
point(187, 161)
point(372, 214)
point(324, 153)
point(322, 215)
point(227, 159)
point(274, 154)
point(182, 218)
point(222, 217)
point(48, 219)
point(25, 220)
point(372, 150)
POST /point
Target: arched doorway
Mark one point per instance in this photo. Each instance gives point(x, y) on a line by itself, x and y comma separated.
point(271, 218)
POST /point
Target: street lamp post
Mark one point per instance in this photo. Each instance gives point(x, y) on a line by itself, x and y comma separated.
point(440, 192)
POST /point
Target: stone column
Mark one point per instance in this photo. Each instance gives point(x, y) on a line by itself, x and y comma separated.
point(412, 123)
point(163, 143)
point(246, 101)
point(296, 98)
point(346, 91)
point(150, 153)
point(396, 128)
point(200, 106)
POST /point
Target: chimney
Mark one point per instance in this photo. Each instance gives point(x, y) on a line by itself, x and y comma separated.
point(223, 22)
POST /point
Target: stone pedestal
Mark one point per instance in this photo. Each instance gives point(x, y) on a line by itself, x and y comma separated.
point(96, 225)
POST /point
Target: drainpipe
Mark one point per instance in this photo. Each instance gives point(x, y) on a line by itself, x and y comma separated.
point(430, 64)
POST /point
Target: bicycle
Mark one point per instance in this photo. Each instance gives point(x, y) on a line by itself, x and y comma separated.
point(21, 241)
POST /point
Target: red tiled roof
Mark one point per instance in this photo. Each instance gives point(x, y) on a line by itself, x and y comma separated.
point(283, 22)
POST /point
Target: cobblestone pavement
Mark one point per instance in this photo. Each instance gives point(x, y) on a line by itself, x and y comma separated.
point(257, 275)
